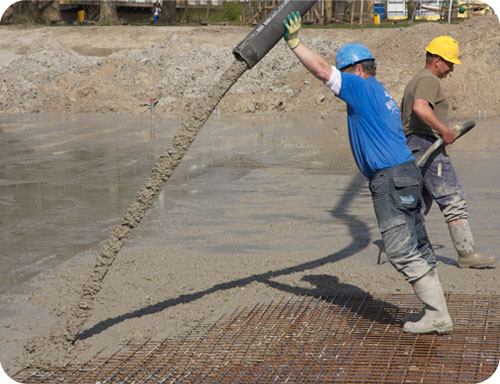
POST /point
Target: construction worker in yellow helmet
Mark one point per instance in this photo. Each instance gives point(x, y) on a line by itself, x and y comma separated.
point(424, 113)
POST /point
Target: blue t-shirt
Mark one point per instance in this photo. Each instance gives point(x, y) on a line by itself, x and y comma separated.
point(375, 131)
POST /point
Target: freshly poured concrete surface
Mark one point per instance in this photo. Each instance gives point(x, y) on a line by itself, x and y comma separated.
point(64, 181)
point(261, 208)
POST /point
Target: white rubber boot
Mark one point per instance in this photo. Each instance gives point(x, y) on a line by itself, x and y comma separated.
point(435, 317)
point(464, 244)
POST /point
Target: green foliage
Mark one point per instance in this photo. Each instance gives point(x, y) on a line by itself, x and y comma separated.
point(232, 10)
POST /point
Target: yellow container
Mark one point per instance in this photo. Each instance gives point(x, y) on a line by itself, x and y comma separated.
point(376, 19)
point(81, 16)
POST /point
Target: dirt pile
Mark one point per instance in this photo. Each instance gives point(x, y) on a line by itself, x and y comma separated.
point(119, 69)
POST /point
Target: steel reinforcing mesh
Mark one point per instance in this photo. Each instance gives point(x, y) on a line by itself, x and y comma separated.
point(342, 339)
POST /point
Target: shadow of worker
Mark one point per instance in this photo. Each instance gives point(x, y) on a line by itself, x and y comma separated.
point(346, 296)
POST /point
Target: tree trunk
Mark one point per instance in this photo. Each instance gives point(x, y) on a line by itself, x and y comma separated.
point(7, 16)
point(185, 16)
point(32, 12)
point(328, 11)
point(411, 7)
point(370, 8)
point(348, 11)
point(108, 13)
point(51, 12)
point(170, 7)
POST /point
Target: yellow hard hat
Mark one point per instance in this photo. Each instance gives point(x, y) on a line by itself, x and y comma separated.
point(445, 47)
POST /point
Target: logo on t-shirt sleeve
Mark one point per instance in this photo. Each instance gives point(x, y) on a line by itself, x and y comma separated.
point(391, 104)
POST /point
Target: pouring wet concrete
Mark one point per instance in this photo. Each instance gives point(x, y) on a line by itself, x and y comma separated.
point(259, 206)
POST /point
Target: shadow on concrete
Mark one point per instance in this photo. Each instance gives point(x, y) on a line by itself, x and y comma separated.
point(328, 288)
point(360, 240)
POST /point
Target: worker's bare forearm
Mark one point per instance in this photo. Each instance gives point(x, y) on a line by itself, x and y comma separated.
point(315, 63)
point(425, 113)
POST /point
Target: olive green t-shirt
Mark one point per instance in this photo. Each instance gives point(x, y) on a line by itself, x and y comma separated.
point(424, 85)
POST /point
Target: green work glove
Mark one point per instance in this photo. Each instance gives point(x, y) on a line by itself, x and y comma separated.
point(292, 29)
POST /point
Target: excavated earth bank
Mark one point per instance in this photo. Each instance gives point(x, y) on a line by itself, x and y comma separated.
point(119, 69)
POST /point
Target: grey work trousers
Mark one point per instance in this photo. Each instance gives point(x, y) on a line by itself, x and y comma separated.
point(440, 178)
point(397, 199)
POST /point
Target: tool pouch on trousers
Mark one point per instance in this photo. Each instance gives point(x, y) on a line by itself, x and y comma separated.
point(382, 189)
point(406, 194)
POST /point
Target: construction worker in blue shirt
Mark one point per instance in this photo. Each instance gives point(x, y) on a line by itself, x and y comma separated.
point(378, 145)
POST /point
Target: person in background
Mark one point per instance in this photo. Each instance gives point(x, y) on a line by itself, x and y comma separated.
point(156, 11)
point(378, 145)
point(424, 114)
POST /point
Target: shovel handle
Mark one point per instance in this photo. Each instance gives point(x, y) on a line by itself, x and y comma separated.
point(429, 152)
point(460, 130)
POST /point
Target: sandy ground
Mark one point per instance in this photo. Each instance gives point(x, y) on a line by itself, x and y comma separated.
point(280, 211)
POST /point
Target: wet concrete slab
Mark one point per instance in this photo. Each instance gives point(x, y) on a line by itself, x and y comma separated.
point(65, 180)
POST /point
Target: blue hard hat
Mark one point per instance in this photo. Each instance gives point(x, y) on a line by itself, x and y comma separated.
point(350, 54)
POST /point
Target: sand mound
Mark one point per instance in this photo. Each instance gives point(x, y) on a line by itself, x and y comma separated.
point(120, 69)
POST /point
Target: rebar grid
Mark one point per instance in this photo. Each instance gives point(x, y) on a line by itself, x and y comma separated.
point(342, 339)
